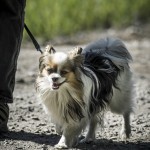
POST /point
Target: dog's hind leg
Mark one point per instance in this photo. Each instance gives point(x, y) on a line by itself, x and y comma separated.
point(126, 128)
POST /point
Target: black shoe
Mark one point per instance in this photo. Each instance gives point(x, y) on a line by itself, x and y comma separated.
point(4, 115)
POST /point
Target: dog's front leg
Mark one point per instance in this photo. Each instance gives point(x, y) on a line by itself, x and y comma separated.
point(62, 143)
point(90, 136)
point(69, 137)
point(58, 129)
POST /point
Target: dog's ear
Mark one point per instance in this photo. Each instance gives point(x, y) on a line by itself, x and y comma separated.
point(75, 55)
point(75, 52)
point(49, 49)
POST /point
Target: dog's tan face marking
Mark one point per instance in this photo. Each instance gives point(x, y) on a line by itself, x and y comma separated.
point(50, 68)
point(57, 68)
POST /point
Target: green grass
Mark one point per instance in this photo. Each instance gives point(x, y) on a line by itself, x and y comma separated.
point(50, 18)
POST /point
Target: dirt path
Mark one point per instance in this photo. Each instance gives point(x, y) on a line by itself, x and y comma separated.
point(30, 128)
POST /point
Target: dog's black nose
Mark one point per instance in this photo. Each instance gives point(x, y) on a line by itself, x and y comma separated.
point(54, 79)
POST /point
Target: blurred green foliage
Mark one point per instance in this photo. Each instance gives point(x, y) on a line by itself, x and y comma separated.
point(49, 18)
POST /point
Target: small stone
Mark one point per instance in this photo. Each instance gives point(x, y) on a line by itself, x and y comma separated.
point(35, 118)
point(31, 109)
point(142, 98)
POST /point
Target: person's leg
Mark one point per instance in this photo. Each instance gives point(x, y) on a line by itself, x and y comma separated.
point(11, 30)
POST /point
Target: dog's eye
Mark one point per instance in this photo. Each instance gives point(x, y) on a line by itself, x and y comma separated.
point(50, 70)
point(63, 72)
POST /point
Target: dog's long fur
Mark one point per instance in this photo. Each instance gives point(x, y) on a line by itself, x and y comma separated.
point(98, 78)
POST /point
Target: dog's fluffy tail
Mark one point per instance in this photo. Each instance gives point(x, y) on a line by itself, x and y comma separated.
point(111, 48)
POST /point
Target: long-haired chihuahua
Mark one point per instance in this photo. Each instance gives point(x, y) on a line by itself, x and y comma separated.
point(78, 87)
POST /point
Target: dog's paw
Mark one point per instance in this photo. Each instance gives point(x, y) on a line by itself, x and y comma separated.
point(61, 146)
point(125, 134)
point(87, 140)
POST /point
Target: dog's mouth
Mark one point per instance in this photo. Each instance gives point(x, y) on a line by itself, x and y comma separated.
point(55, 86)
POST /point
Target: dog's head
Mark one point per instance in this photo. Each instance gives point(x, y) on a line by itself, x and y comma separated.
point(59, 67)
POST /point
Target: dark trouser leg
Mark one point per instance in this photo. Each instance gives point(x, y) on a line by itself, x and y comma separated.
point(11, 29)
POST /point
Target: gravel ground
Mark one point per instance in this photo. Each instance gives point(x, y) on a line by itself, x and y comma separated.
point(31, 129)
